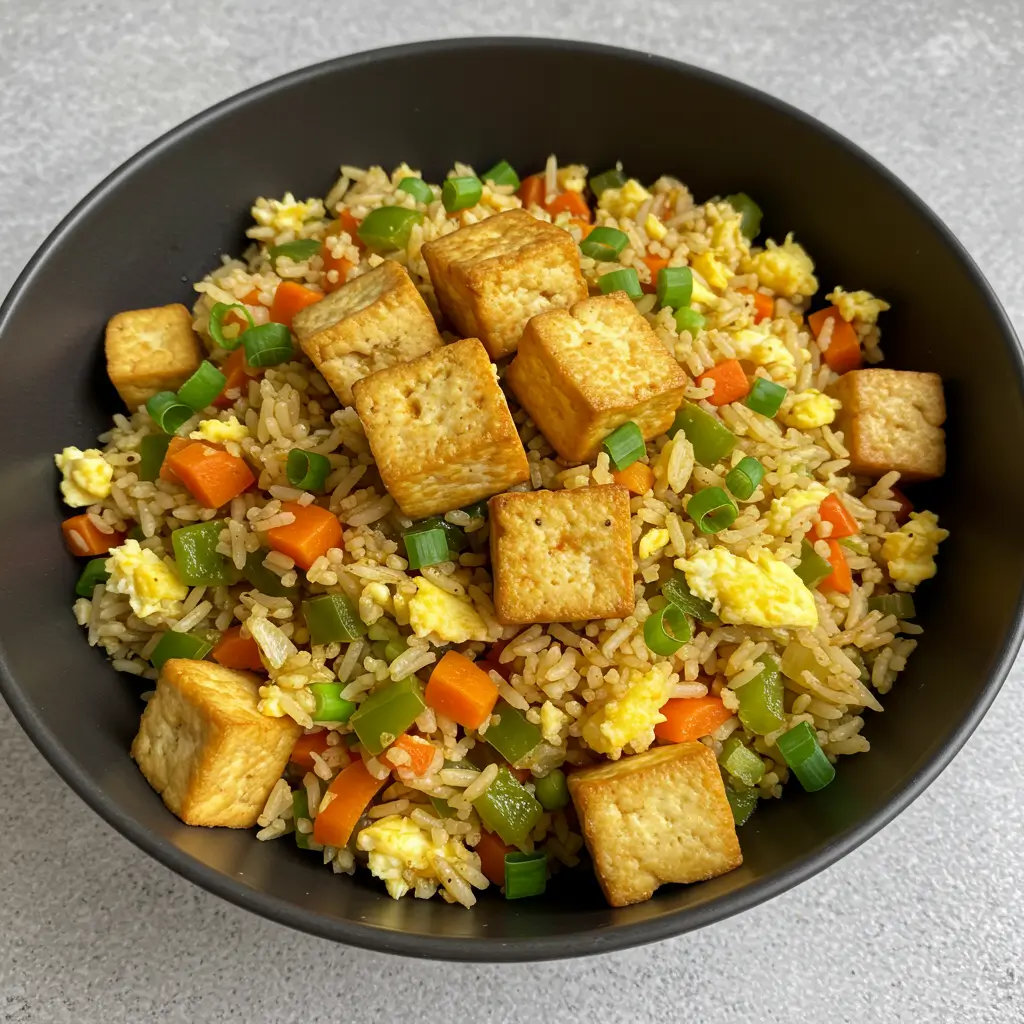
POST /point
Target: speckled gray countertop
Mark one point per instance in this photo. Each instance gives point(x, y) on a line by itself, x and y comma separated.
point(923, 923)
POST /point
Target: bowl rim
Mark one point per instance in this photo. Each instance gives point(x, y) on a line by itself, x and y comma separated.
point(617, 937)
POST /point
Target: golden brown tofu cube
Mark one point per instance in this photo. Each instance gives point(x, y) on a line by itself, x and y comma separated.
point(440, 430)
point(204, 747)
point(582, 372)
point(658, 817)
point(892, 420)
point(562, 556)
point(151, 350)
point(377, 320)
point(492, 276)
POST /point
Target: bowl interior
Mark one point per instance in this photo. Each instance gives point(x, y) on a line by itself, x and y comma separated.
point(163, 221)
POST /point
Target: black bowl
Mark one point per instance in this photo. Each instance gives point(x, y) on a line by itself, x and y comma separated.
point(161, 221)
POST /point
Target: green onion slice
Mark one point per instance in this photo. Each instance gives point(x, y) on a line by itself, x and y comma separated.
point(812, 568)
point(606, 180)
point(330, 705)
point(502, 173)
point(625, 279)
point(179, 645)
point(675, 286)
point(526, 874)
point(807, 761)
point(394, 649)
point(552, 790)
point(202, 387)
point(298, 251)
point(168, 412)
point(898, 604)
point(624, 445)
point(478, 510)
point(94, 573)
point(426, 546)
point(268, 345)
point(217, 314)
point(688, 320)
point(765, 397)
point(677, 591)
point(417, 188)
point(749, 211)
point(152, 450)
point(307, 470)
point(743, 803)
point(658, 638)
point(332, 618)
point(712, 510)
point(745, 477)
point(604, 243)
point(389, 227)
point(461, 193)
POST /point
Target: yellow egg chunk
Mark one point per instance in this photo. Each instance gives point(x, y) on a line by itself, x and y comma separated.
point(287, 214)
point(654, 228)
point(761, 347)
point(653, 542)
point(786, 268)
point(755, 591)
point(783, 509)
point(862, 306)
point(552, 723)
point(625, 201)
point(151, 583)
point(87, 476)
point(220, 431)
point(809, 409)
point(629, 720)
point(400, 851)
point(910, 551)
point(453, 619)
point(713, 271)
point(703, 295)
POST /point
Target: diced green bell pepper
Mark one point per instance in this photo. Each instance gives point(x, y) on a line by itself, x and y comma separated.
point(742, 801)
point(712, 440)
point(513, 736)
point(195, 553)
point(265, 581)
point(507, 808)
point(386, 714)
point(179, 645)
point(332, 618)
point(552, 790)
point(741, 762)
point(761, 709)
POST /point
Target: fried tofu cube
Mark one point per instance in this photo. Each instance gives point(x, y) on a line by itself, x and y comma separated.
point(892, 420)
point(377, 320)
point(582, 372)
point(440, 430)
point(492, 276)
point(206, 749)
point(151, 350)
point(562, 556)
point(658, 817)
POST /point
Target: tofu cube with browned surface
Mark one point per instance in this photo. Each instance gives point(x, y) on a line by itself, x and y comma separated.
point(492, 276)
point(440, 430)
point(151, 350)
point(375, 321)
point(582, 372)
point(205, 748)
point(658, 817)
point(562, 556)
point(892, 420)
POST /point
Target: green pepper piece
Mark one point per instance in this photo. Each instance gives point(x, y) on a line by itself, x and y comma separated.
point(677, 591)
point(750, 214)
point(265, 581)
point(152, 449)
point(94, 573)
point(712, 440)
point(513, 737)
point(507, 808)
point(760, 700)
point(195, 553)
point(812, 568)
point(332, 618)
point(386, 714)
point(179, 645)
point(742, 801)
point(394, 649)
point(741, 762)
point(552, 790)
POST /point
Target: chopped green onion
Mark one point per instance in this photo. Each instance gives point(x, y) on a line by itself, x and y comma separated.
point(675, 286)
point(332, 618)
point(152, 449)
point(136, 533)
point(745, 477)
point(625, 279)
point(202, 387)
point(502, 173)
point(300, 809)
point(513, 736)
point(307, 470)
point(417, 188)
point(387, 713)
point(179, 645)
point(461, 193)
point(805, 758)
point(741, 762)
point(900, 605)
point(455, 537)
point(812, 568)
point(552, 790)
point(712, 510)
point(624, 445)
point(394, 649)
point(765, 397)
point(388, 227)
point(606, 180)
point(743, 802)
point(507, 808)
point(263, 579)
point(330, 705)
point(195, 554)
point(94, 573)
point(217, 314)
point(383, 629)
point(688, 320)
point(677, 591)
point(749, 211)
point(658, 638)
point(712, 440)
point(168, 412)
point(426, 547)
point(526, 874)
point(604, 244)
point(298, 251)
point(478, 510)
point(268, 345)
point(761, 709)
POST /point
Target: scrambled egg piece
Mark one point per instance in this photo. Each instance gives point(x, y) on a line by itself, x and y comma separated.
point(453, 619)
point(809, 409)
point(87, 476)
point(783, 509)
point(703, 294)
point(727, 237)
point(758, 345)
point(862, 306)
point(151, 582)
point(400, 852)
point(654, 228)
point(713, 271)
point(630, 720)
point(756, 591)
point(786, 268)
point(572, 177)
point(220, 430)
point(911, 550)
point(287, 214)
point(553, 723)
point(625, 201)
point(653, 541)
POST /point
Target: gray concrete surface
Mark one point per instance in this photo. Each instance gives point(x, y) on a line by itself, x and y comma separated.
point(921, 924)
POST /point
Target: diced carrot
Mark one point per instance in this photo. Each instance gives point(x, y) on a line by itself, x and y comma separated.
point(421, 753)
point(833, 511)
point(212, 475)
point(654, 265)
point(339, 264)
point(175, 446)
point(347, 797)
point(237, 373)
point(637, 478)
point(235, 651)
point(251, 298)
point(532, 191)
point(690, 718)
point(84, 539)
point(764, 305)
point(313, 533)
point(731, 382)
point(572, 202)
point(902, 514)
point(348, 223)
point(521, 774)
point(289, 299)
point(840, 578)
point(584, 227)
point(306, 745)
point(461, 690)
point(491, 851)
point(843, 352)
